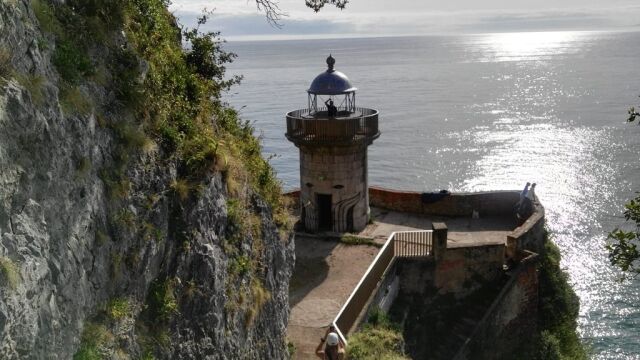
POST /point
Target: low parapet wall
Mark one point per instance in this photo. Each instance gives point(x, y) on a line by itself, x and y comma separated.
point(448, 204)
point(529, 236)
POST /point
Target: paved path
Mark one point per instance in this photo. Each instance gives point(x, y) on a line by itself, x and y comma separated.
point(327, 271)
point(325, 275)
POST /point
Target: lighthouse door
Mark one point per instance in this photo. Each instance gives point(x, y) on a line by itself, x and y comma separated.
point(324, 212)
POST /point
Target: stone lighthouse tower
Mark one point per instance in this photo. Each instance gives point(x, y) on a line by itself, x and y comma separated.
point(332, 135)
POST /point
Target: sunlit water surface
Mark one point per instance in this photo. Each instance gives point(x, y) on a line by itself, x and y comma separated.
point(487, 112)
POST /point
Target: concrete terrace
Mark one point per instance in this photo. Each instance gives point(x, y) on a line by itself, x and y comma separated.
point(327, 271)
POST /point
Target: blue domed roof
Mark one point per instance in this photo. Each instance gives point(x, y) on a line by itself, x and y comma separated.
point(331, 82)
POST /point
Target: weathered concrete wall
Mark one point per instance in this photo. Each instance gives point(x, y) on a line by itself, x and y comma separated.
point(341, 173)
point(463, 270)
point(459, 204)
point(416, 276)
point(460, 272)
point(510, 320)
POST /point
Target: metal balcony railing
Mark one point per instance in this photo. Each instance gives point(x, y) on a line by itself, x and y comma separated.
point(343, 129)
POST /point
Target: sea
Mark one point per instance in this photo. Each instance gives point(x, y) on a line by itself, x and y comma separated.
point(486, 112)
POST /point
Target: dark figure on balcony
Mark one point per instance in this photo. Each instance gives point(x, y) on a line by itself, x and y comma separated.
point(524, 207)
point(332, 110)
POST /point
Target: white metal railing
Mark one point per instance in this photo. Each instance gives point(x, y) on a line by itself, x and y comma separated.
point(413, 244)
point(403, 244)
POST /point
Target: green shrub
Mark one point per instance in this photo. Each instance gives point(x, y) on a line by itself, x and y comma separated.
point(46, 17)
point(130, 136)
point(126, 218)
point(234, 213)
point(376, 342)
point(71, 62)
point(558, 306)
point(9, 273)
point(378, 318)
point(239, 265)
point(379, 338)
point(549, 348)
point(87, 352)
point(161, 301)
point(94, 336)
point(291, 349)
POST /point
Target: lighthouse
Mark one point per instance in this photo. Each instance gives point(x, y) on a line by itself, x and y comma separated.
point(333, 134)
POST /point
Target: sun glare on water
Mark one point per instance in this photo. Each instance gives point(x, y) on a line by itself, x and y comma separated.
point(526, 45)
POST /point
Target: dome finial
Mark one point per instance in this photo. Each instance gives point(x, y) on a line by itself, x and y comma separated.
point(331, 61)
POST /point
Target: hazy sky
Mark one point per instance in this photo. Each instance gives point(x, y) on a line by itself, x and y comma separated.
point(238, 18)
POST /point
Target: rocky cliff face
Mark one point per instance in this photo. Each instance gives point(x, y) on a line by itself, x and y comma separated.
point(141, 272)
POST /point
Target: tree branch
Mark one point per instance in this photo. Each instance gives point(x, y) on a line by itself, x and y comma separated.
point(272, 11)
point(316, 5)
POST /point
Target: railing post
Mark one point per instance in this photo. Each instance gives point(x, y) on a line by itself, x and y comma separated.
point(439, 240)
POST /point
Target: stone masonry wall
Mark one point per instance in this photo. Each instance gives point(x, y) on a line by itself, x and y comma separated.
point(510, 320)
point(343, 175)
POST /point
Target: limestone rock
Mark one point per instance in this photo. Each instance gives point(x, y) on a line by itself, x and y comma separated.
point(59, 228)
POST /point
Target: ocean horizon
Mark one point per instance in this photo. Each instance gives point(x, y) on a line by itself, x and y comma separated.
point(480, 112)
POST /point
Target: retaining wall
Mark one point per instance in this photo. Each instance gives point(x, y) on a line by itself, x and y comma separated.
point(464, 270)
point(460, 272)
point(511, 319)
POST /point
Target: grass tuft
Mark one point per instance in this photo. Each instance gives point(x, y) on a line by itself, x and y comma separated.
point(9, 273)
point(161, 301)
point(118, 309)
point(94, 336)
point(182, 188)
point(6, 69)
point(260, 296)
point(101, 237)
point(380, 341)
point(33, 84)
point(46, 17)
point(350, 239)
point(73, 101)
point(83, 166)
